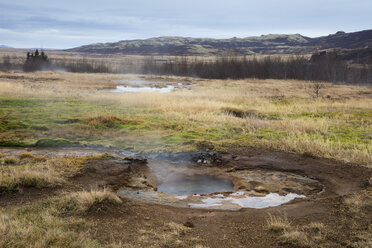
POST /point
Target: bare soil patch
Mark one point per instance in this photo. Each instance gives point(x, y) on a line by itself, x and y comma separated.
point(144, 224)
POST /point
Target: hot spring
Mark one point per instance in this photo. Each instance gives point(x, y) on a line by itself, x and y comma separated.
point(192, 185)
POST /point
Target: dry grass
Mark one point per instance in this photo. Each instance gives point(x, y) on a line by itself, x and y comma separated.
point(38, 171)
point(86, 199)
point(25, 155)
point(41, 230)
point(295, 238)
point(39, 177)
point(311, 235)
point(166, 236)
point(45, 225)
point(66, 166)
point(359, 203)
point(278, 224)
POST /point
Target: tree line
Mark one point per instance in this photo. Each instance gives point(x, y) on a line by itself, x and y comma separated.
point(327, 68)
point(320, 67)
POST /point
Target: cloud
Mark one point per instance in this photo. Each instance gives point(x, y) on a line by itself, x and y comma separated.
point(70, 23)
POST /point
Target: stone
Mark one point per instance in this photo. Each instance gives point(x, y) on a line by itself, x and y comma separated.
point(261, 189)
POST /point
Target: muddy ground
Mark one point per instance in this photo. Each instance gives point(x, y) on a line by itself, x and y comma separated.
point(143, 224)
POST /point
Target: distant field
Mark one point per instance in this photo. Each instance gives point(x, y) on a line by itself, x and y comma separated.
point(114, 62)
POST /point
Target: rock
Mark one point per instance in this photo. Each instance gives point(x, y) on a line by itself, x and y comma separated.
point(231, 170)
point(370, 182)
point(261, 189)
point(188, 224)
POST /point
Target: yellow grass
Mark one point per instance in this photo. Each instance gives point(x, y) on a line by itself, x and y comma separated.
point(42, 173)
point(295, 238)
point(87, 199)
point(13, 179)
point(277, 223)
point(43, 224)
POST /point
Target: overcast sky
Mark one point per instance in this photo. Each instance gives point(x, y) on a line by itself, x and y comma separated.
point(67, 23)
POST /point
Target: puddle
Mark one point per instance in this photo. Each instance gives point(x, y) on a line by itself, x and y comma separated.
point(269, 200)
point(197, 184)
point(133, 89)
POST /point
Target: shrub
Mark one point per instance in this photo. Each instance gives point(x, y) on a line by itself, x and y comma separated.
point(26, 155)
point(8, 160)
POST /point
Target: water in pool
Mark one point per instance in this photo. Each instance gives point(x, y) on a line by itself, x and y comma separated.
point(200, 184)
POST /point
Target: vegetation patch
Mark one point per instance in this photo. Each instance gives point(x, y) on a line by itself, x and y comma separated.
point(109, 121)
point(58, 142)
point(278, 224)
point(42, 225)
point(240, 113)
point(13, 179)
point(295, 238)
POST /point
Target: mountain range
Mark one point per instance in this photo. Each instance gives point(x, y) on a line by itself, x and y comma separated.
point(264, 44)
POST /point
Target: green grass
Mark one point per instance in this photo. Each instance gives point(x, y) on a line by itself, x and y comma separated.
point(57, 123)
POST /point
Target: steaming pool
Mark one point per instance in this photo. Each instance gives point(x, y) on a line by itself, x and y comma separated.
point(136, 85)
point(133, 89)
point(187, 185)
point(197, 184)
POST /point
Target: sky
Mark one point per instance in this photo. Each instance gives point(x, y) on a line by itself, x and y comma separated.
point(66, 24)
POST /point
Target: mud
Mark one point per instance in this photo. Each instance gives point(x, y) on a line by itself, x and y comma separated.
point(209, 180)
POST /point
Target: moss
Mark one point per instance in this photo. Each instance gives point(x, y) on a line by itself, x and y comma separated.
point(58, 142)
point(349, 134)
point(13, 143)
point(6, 125)
point(238, 112)
point(316, 115)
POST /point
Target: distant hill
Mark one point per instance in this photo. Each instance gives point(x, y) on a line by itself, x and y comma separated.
point(4, 46)
point(264, 44)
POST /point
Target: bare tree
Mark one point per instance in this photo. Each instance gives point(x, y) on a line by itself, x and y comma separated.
point(6, 62)
point(316, 87)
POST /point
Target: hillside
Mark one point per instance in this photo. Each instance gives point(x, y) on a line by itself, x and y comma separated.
point(264, 44)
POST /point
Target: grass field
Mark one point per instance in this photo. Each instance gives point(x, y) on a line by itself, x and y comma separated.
point(214, 114)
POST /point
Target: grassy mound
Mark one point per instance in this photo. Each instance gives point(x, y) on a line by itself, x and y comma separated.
point(109, 121)
point(58, 142)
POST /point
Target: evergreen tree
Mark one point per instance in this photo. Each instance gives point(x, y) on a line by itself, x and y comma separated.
point(36, 61)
